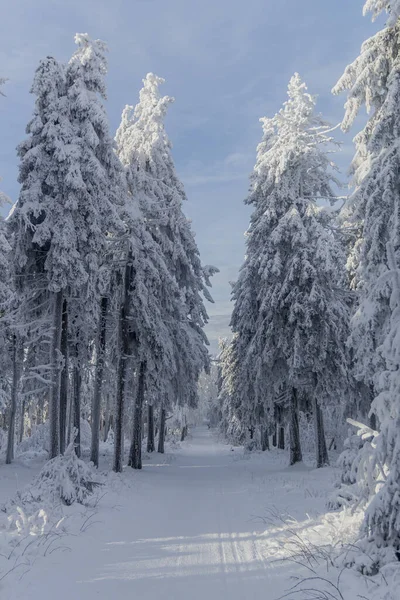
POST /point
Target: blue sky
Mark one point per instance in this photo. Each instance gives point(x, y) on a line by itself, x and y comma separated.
point(226, 62)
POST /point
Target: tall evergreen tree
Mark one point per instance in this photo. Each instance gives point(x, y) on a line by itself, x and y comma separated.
point(294, 328)
point(145, 151)
point(70, 180)
point(372, 80)
point(374, 208)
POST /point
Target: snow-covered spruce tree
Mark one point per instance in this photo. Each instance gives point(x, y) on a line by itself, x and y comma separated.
point(298, 323)
point(6, 302)
point(382, 518)
point(41, 222)
point(373, 80)
point(103, 190)
point(70, 186)
point(145, 151)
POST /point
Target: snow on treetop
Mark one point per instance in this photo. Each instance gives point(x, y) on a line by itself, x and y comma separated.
point(378, 6)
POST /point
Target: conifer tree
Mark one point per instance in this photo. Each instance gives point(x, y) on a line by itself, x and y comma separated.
point(145, 151)
point(294, 327)
point(372, 80)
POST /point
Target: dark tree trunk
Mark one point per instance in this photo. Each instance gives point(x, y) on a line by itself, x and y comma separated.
point(320, 441)
point(161, 435)
point(124, 352)
point(281, 437)
point(183, 433)
point(150, 429)
point(54, 408)
point(135, 453)
point(22, 422)
point(264, 439)
point(106, 419)
point(64, 378)
point(295, 447)
point(77, 405)
point(98, 382)
point(279, 431)
point(14, 398)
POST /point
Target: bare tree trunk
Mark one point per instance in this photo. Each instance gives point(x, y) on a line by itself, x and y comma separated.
point(281, 428)
point(54, 408)
point(295, 447)
point(70, 410)
point(64, 378)
point(14, 398)
point(98, 383)
point(22, 422)
point(106, 418)
point(119, 413)
point(77, 404)
point(264, 438)
point(135, 454)
point(150, 429)
point(161, 435)
point(320, 441)
point(124, 352)
point(183, 432)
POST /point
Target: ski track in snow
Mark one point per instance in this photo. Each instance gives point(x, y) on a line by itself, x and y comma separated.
point(184, 528)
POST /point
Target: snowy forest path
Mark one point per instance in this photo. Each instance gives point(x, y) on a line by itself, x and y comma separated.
point(186, 526)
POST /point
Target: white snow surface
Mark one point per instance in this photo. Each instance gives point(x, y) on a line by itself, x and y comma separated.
point(205, 521)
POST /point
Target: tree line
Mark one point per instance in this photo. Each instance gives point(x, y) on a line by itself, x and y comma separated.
point(316, 325)
point(102, 287)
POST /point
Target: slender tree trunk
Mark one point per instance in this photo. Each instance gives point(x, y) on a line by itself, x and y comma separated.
point(264, 438)
point(281, 437)
point(64, 378)
point(106, 418)
point(98, 382)
point(124, 352)
point(77, 404)
point(183, 433)
point(54, 412)
point(295, 447)
point(150, 429)
point(275, 433)
point(40, 411)
point(135, 454)
point(22, 422)
point(14, 398)
point(281, 428)
point(161, 435)
point(70, 411)
point(320, 441)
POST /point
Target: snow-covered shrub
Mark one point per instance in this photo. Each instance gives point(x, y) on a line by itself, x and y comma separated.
point(65, 478)
point(358, 469)
point(37, 444)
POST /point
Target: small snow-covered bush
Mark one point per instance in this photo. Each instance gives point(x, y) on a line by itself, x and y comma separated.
point(360, 469)
point(66, 478)
point(37, 444)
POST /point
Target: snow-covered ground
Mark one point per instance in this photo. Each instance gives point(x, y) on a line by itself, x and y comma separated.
point(203, 522)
